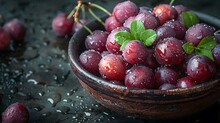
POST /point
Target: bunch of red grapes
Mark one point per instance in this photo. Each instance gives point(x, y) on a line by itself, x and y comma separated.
point(13, 30)
point(164, 65)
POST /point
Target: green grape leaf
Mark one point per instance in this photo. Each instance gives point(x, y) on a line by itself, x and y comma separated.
point(205, 52)
point(148, 36)
point(121, 37)
point(136, 28)
point(189, 18)
point(189, 47)
point(209, 42)
point(206, 46)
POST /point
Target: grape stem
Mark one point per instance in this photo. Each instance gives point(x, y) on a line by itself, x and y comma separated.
point(95, 16)
point(101, 8)
point(171, 2)
point(217, 32)
point(85, 27)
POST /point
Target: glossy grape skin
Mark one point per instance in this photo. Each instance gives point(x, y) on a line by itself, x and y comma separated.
point(112, 67)
point(128, 22)
point(216, 55)
point(135, 52)
point(180, 8)
point(111, 44)
point(144, 9)
point(140, 77)
point(217, 36)
point(165, 13)
point(61, 25)
point(16, 29)
point(200, 68)
point(164, 32)
point(197, 32)
point(185, 82)
point(97, 40)
point(15, 113)
point(78, 26)
point(122, 11)
point(170, 52)
point(166, 75)
point(167, 86)
point(150, 21)
point(151, 61)
point(111, 23)
point(4, 39)
point(90, 59)
point(179, 28)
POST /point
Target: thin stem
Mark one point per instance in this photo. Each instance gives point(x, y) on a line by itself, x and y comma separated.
point(83, 12)
point(72, 13)
point(171, 2)
point(96, 17)
point(101, 8)
point(85, 27)
point(76, 14)
point(217, 32)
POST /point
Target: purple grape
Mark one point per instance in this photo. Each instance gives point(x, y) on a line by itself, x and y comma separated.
point(140, 77)
point(97, 40)
point(185, 82)
point(200, 68)
point(167, 86)
point(197, 32)
point(216, 55)
point(128, 22)
point(180, 9)
point(4, 39)
point(166, 75)
point(150, 21)
point(111, 23)
point(124, 10)
point(135, 52)
point(90, 59)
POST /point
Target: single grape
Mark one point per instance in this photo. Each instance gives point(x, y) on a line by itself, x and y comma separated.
point(4, 39)
point(144, 9)
point(111, 23)
point(200, 68)
point(165, 13)
point(216, 55)
point(128, 22)
point(97, 40)
point(90, 59)
point(185, 82)
point(135, 52)
point(124, 10)
point(150, 21)
point(164, 32)
point(179, 28)
point(140, 77)
point(112, 67)
point(180, 8)
point(15, 113)
point(166, 75)
point(111, 44)
point(61, 25)
point(151, 61)
point(170, 52)
point(16, 29)
point(197, 32)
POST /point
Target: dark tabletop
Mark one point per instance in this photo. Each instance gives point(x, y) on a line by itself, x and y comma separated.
point(37, 73)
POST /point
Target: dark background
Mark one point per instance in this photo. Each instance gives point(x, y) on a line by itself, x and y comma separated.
point(36, 72)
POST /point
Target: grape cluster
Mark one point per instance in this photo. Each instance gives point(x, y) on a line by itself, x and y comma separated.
point(176, 58)
point(12, 30)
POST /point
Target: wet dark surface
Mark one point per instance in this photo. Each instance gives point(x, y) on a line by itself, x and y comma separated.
point(37, 73)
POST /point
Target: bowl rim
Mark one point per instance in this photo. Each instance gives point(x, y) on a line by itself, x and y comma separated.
point(73, 58)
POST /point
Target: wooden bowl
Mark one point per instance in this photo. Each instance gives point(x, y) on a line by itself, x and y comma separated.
point(143, 103)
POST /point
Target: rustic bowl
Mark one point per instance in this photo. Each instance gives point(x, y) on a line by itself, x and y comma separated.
point(143, 103)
